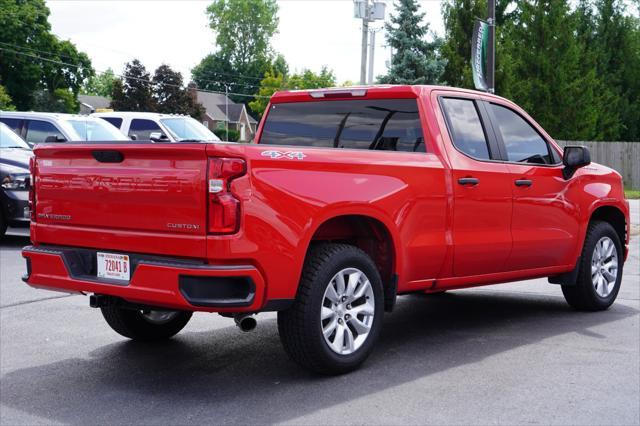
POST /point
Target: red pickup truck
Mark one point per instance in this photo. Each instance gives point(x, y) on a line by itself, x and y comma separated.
point(347, 198)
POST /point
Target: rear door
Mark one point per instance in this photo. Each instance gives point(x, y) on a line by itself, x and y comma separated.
point(145, 198)
point(481, 189)
point(545, 223)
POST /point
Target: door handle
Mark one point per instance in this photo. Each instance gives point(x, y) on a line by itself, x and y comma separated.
point(469, 181)
point(524, 182)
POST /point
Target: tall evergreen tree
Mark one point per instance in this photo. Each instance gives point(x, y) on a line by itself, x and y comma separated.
point(134, 91)
point(415, 60)
point(617, 43)
point(549, 80)
point(459, 18)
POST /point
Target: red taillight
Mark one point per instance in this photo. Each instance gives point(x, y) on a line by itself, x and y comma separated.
point(32, 188)
point(224, 207)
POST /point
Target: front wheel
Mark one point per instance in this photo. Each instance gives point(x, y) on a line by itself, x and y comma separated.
point(336, 318)
point(600, 270)
point(146, 325)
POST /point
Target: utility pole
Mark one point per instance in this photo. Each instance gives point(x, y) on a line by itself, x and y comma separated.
point(226, 112)
point(372, 48)
point(491, 54)
point(365, 35)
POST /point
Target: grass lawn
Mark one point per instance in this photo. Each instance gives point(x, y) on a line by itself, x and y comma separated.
point(632, 194)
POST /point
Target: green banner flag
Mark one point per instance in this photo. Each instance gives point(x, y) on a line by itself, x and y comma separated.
point(479, 46)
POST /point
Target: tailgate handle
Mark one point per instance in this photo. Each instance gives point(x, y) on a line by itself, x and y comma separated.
point(108, 156)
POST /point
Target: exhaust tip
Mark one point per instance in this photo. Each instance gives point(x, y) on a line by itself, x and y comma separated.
point(246, 323)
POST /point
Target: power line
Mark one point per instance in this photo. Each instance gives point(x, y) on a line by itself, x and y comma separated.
point(203, 80)
point(124, 76)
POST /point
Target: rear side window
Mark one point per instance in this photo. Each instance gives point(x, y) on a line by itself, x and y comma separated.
point(376, 124)
point(143, 128)
point(38, 131)
point(466, 128)
point(522, 142)
point(115, 121)
point(14, 124)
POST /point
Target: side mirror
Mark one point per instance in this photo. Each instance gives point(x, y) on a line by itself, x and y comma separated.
point(54, 139)
point(574, 157)
point(158, 137)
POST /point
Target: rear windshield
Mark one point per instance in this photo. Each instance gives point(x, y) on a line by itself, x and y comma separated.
point(96, 130)
point(377, 124)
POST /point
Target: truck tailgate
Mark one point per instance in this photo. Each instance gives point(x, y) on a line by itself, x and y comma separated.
point(129, 197)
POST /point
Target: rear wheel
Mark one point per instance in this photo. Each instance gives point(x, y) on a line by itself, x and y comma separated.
point(336, 318)
point(600, 270)
point(145, 324)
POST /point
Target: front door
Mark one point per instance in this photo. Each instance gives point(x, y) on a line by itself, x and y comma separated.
point(482, 191)
point(545, 223)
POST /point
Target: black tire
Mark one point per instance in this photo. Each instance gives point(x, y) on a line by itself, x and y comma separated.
point(300, 326)
point(3, 225)
point(133, 324)
point(583, 295)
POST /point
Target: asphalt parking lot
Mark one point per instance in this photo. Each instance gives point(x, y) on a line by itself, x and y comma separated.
point(507, 354)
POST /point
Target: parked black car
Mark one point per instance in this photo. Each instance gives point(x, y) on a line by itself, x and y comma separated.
point(14, 180)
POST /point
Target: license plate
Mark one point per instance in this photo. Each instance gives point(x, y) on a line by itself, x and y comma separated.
point(114, 266)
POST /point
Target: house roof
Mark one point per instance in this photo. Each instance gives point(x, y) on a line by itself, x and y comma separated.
point(95, 102)
point(216, 104)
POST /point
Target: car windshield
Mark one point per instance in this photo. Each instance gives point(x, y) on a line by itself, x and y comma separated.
point(96, 130)
point(186, 128)
point(8, 139)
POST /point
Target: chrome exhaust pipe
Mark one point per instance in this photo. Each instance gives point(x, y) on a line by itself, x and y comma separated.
point(245, 322)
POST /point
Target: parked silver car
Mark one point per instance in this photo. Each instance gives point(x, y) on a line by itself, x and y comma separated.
point(39, 127)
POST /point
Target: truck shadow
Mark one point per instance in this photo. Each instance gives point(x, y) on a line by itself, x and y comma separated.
point(223, 376)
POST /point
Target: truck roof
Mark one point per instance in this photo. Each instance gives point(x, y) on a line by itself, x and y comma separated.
point(369, 91)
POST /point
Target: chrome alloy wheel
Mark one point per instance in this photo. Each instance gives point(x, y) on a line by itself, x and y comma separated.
point(604, 266)
point(348, 309)
point(158, 317)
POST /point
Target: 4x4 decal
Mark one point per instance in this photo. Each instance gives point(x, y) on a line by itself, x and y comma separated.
point(292, 155)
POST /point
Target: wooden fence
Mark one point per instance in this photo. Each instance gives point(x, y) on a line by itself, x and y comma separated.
point(621, 156)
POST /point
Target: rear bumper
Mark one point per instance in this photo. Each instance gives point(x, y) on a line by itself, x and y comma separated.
point(170, 283)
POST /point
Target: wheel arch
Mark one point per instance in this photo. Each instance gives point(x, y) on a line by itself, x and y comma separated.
point(369, 233)
point(614, 216)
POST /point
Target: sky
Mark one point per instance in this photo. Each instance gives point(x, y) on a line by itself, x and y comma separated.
point(312, 33)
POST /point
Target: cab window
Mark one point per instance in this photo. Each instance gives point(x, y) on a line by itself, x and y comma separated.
point(522, 142)
point(143, 128)
point(38, 131)
point(466, 128)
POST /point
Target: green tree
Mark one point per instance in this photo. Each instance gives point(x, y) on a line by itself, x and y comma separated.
point(269, 85)
point(549, 79)
point(6, 104)
point(415, 60)
point(273, 82)
point(32, 58)
point(617, 43)
point(60, 100)
point(170, 96)
point(243, 31)
point(70, 71)
point(307, 79)
point(100, 84)
point(459, 17)
point(134, 91)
